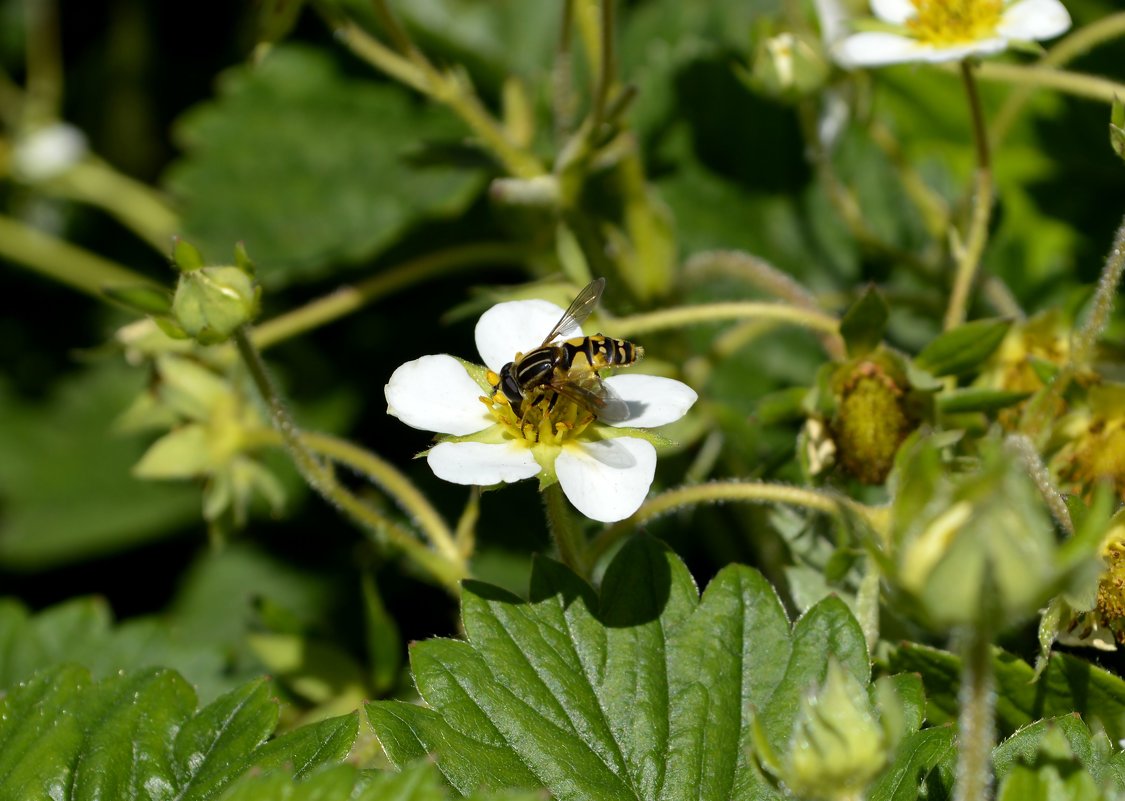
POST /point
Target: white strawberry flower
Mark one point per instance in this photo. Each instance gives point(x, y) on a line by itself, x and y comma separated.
point(604, 469)
point(948, 30)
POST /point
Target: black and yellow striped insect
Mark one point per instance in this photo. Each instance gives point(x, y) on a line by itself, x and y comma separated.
point(569, 368)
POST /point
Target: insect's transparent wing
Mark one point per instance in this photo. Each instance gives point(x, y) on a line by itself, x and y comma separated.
point(578, 310)
point(589, 391)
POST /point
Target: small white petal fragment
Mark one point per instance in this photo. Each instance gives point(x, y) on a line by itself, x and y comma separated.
point(48, 152)
point(517, 326)
point(1032, 20)
point(896, 12)
point(875, 48)
point(481, 463)
point(652, 400)
point(434, 393)
point(609, 479)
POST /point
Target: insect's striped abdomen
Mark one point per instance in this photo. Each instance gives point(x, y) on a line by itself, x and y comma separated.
point(599, 352)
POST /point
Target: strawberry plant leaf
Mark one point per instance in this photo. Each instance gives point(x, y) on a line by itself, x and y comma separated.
point(644, 690)
point(310, 168)
point(138, 735)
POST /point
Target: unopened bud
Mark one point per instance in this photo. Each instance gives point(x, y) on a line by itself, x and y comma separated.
point(787, 66)
point(211, 302)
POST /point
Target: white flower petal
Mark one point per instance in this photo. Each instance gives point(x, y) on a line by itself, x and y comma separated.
point(481, 463)
point(895, 12)
point(877, 48)
point(609, 479)
point(874, 48)
point(517, 326)
point(1031, 20)
point(652, 400)
point(434, 393)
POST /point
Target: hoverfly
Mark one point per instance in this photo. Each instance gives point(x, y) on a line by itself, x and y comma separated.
point(569, 368)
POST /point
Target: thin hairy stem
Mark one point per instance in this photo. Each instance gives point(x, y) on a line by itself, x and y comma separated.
point(970, 257)
point(1079, 42)
point(138, 207)
point(1091, 87)
point(976, 731)
point(1041, 477)
point(607, 72)
point(349, 299)
point(60, 261)
point(762, 275)
point(562, 76)
point(681, 316)
point(1037, 416)
point(568, 537)
point(448, 572)
point(725, 492)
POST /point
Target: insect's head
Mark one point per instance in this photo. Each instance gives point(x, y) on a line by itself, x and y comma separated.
point(509, 386)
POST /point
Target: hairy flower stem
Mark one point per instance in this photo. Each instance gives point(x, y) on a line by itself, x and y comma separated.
point(969, 260)
point(607, 72)
point(564, 530)
point(447, 571)
point(1041, 477)
point(64, 262)
point(1037, 417)
point(715, 312)
point(348, 299)
point(724, 491)
point(1079, 42)
point(976, 724)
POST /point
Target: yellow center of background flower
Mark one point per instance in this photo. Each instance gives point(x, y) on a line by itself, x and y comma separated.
point(948, 22)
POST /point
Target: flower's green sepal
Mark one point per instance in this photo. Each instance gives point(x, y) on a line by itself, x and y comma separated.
point(186, 257)
point(1117, 127)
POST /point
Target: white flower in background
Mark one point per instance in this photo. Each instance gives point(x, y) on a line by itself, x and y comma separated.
point(48, 152)
point(604, 469)
point(947, 30)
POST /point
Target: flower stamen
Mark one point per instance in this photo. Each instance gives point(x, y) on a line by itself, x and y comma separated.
point(947, 22)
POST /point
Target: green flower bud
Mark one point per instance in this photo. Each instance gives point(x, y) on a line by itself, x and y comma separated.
point(787, 66)
point(838, 744)
point(211, 302)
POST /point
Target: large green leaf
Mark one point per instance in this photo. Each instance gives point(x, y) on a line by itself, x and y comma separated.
point(420, 781)
point(310, 168)
point(66, 493)
point(82, 631)
point(642, 691)
point(138, 735)
point(1069, 684)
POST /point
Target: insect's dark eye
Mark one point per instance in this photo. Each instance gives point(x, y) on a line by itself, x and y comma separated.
point(509, 385)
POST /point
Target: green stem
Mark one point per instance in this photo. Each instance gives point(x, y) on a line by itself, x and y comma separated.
point(562, 76)
point(1076, 44)
point(1086, 337)
point(607, 72)
point(726, 491)
point(1041, 477)
point(1091, 87)
point(714, 312)
point(568, 538)
point(451, 88)
point(64, 262)
point(762, 275)
point(969, 260)
point(1042, 408)
point(385, 476)
point(348, 299)
point(976, 731)
point(137, 206)
point(448, 572)
point(44, 61)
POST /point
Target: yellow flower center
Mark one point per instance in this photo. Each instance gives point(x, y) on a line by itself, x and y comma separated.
point(949, 22)
point(544, 418)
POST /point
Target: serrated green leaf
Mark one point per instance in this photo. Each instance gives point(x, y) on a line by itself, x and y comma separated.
point(420, 781)
point(65, 485)
point(643, 690)
point(1026, 745)
point(310, 168)
point(923, 768)
point(82, 631)
point(962, 349)
point(1068, 684)
point(138, 735)
point(864, 324)
point(978, 400)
